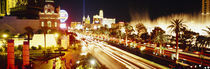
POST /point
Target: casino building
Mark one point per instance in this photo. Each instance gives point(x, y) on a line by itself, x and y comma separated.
point(49, 17)
point(97, 22)
point(46, 16)
point(99, 19)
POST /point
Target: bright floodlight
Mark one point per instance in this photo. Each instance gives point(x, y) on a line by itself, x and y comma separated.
point(56, 34)
point(78, 62)
point(122, 30)
point(92, 62)
point(63, 25)
point(4, 35)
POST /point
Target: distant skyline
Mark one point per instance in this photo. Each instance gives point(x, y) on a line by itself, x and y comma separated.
point(120, 9)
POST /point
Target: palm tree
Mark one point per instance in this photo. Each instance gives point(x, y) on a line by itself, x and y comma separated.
point(176, 25)
point(29, 32)
point(141, 29)
point(128, 30)
point(105, 30)
point(115, 32)
point(208, 31)
point(203, 41)
point(45, 38)
point(159, 37)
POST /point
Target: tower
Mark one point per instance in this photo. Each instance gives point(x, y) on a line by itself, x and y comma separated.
point(101, 13)
point(83, 19)
point(205, 7)
point(87, 20)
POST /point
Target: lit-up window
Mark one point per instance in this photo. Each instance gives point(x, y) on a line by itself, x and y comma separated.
point(42, 24)
point(56, 24)
point(49, 24)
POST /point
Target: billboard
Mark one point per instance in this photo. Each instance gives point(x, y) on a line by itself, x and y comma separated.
point(63, 16)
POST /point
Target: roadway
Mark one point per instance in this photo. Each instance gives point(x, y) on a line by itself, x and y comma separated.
point(115, 58)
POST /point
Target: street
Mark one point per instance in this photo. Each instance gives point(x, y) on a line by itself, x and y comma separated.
point(104, 52)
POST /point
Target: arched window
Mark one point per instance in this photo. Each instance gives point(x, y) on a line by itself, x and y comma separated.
point(49, 24)
point(56, 24)
point(42, 24)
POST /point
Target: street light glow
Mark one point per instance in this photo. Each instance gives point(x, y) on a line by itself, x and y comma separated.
point(4, 35)
point(56, 35)
point(63, 25)
point(92, 62)
point(78, 62)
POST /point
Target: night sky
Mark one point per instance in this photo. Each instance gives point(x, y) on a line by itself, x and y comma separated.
point(121, 9)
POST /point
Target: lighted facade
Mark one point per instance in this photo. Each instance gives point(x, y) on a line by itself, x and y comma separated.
point(205, 7)
point(99, 19)
point(108, 22)
point(74, 24)
point(38, 39)
point(49, 18)
point(6, 5)
point(86, 20)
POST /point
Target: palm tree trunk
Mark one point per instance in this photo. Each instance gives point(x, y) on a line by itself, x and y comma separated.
point(177, 48)
point(45, 39)
point(160, 48)
point(28, 39)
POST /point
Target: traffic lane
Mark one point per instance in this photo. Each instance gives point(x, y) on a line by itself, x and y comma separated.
point(133, 59)
point(128, 60)
point(121, 57)
point(105, 59)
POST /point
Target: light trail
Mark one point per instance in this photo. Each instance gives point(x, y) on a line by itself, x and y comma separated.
point(134, 58)
point(125, 63)
point(129, 60)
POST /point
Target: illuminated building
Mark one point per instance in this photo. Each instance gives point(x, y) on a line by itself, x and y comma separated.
point(205, 7)
point(49, 17)
point(101, 13)
point(27, 9)
point(6, 5)
point(108, 22)
point(38, 39)
point(99, 19)
point(83, 20)
point(86, 20)
point(205, 10)
point(74, 24)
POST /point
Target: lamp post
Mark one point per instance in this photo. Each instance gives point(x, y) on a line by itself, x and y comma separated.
point(5, 36)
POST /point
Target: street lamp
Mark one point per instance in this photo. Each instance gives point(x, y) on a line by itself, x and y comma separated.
point(92, 62)
point(56, 35)
point(5, 35)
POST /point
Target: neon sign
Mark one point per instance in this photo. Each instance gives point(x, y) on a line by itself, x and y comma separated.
point(63, 16)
